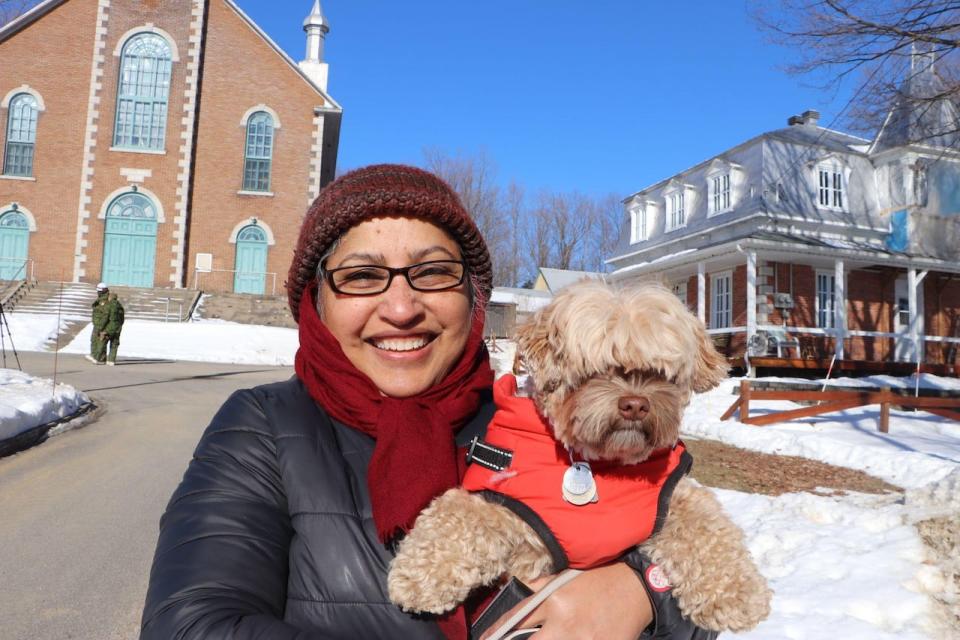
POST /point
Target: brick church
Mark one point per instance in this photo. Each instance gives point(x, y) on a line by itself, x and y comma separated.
point(158, 143)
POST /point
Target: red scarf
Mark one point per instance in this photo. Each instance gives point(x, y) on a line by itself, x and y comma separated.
point(415, 455)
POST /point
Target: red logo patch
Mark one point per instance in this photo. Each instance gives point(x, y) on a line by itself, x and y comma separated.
point(657, 579)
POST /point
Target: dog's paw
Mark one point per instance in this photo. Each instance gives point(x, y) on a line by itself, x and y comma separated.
point(416, 588)
point(715, 581)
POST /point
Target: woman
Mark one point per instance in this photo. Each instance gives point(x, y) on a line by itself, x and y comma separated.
point(285, 520)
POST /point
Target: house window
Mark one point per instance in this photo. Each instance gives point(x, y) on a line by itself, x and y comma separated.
point(720, 191)
point(830, 188)
point(826, 300)
point(638, 224)
point(675, 213)
point(21, 135)
point(680, 290)
point(144, 86)
point(258, 154)
point(722, 297)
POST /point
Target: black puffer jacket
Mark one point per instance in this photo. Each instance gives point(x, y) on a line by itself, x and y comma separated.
point(270, 534)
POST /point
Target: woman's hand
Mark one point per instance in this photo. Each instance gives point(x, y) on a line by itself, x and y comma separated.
point(607, 602)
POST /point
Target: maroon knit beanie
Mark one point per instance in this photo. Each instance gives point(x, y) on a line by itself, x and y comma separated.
point(383, 190)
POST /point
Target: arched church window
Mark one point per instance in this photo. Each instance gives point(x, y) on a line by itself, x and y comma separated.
point(142, 92)
point(258, 153)
point(21, 135)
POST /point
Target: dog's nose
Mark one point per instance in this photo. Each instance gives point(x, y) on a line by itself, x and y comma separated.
point(634, 407)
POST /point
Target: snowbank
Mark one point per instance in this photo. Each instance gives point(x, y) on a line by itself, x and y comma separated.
point(27, 402)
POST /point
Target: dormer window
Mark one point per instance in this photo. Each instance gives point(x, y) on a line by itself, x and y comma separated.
point(678, 201)
point(831, 191)
point(720, 196)
point(676, 215)
point(638, 223)
point(722, 179)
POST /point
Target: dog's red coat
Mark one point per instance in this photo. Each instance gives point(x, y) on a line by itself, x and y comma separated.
point(591, 534)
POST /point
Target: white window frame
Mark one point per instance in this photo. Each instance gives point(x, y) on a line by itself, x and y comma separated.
point(721, 300)
point(830, 187)
point(724, 183)
point(675, 214)
point(825, 302)
point(639, 228)
point(719, 192)
point(143, 94)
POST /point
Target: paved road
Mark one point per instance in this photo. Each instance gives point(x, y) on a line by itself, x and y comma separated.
point(79, 513)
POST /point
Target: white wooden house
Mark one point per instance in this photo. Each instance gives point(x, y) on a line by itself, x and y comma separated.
point(816, 241)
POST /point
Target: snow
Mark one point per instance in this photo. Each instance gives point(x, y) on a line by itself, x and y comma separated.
point(27, 402)
point(848, 566)
point(919, 449)
point(29, 331)
point(205, 341)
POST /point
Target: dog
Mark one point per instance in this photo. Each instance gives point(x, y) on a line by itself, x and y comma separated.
point(610, 373)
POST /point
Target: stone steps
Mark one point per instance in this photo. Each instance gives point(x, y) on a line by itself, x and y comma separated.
point(75, 299)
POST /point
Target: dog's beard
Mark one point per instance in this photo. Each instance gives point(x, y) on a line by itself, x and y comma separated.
point(588, 419)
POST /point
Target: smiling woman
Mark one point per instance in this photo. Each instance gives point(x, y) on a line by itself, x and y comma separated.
point(287, 518)
point(404, 339)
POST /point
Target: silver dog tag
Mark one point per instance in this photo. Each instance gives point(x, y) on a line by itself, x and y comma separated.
point(579, 487)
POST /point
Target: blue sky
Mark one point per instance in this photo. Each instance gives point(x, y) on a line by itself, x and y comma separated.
point(600, 97)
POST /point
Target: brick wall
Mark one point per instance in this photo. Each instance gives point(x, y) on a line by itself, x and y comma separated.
point(68, 56)
point(249, 73)
point(53, 57)
point(125, 18)
point(942, 316)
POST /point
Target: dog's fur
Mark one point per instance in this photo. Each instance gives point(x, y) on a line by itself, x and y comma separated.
point(590, 347)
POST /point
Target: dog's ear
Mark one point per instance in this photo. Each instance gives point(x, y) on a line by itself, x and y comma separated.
point(538, 344)
point(710, 366)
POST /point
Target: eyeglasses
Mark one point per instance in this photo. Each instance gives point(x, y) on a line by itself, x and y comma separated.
point(370, 280)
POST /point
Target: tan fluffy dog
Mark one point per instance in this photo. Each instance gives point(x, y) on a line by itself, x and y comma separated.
point(588, 350)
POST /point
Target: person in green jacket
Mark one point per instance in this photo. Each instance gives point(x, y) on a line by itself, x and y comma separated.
point(111, 332)
point(99, 316)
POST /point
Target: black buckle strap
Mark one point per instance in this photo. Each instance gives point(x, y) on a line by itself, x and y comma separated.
point(487, 455)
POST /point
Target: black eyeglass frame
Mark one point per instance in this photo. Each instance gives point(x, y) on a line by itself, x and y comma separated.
point(327, 275)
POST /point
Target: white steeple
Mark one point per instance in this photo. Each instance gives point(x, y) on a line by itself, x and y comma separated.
point(316, 27)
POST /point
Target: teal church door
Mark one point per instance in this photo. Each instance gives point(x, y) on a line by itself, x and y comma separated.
point(251, 261)
point(14, 243)
point(130, 241)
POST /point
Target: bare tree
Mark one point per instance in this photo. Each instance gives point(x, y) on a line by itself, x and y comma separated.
point(562, 230)
point(473, 177)
point(605, 232)
point(513, 208)
point(559, 230)
point(10, 9)
point(896, 50)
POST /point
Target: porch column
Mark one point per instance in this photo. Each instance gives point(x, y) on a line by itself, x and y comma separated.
point(702, 292)
point(916, 331)
point(751, 294)
point(839, 306)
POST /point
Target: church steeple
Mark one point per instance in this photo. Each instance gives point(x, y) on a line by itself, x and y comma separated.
point(316, 27)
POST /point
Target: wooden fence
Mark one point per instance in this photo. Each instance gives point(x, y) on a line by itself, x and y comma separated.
point(830, 401)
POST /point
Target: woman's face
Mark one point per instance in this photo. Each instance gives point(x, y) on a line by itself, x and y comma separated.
point(404, 340)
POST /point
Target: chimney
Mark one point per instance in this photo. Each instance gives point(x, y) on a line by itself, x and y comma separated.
point(794, 120)
point(811, 117)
